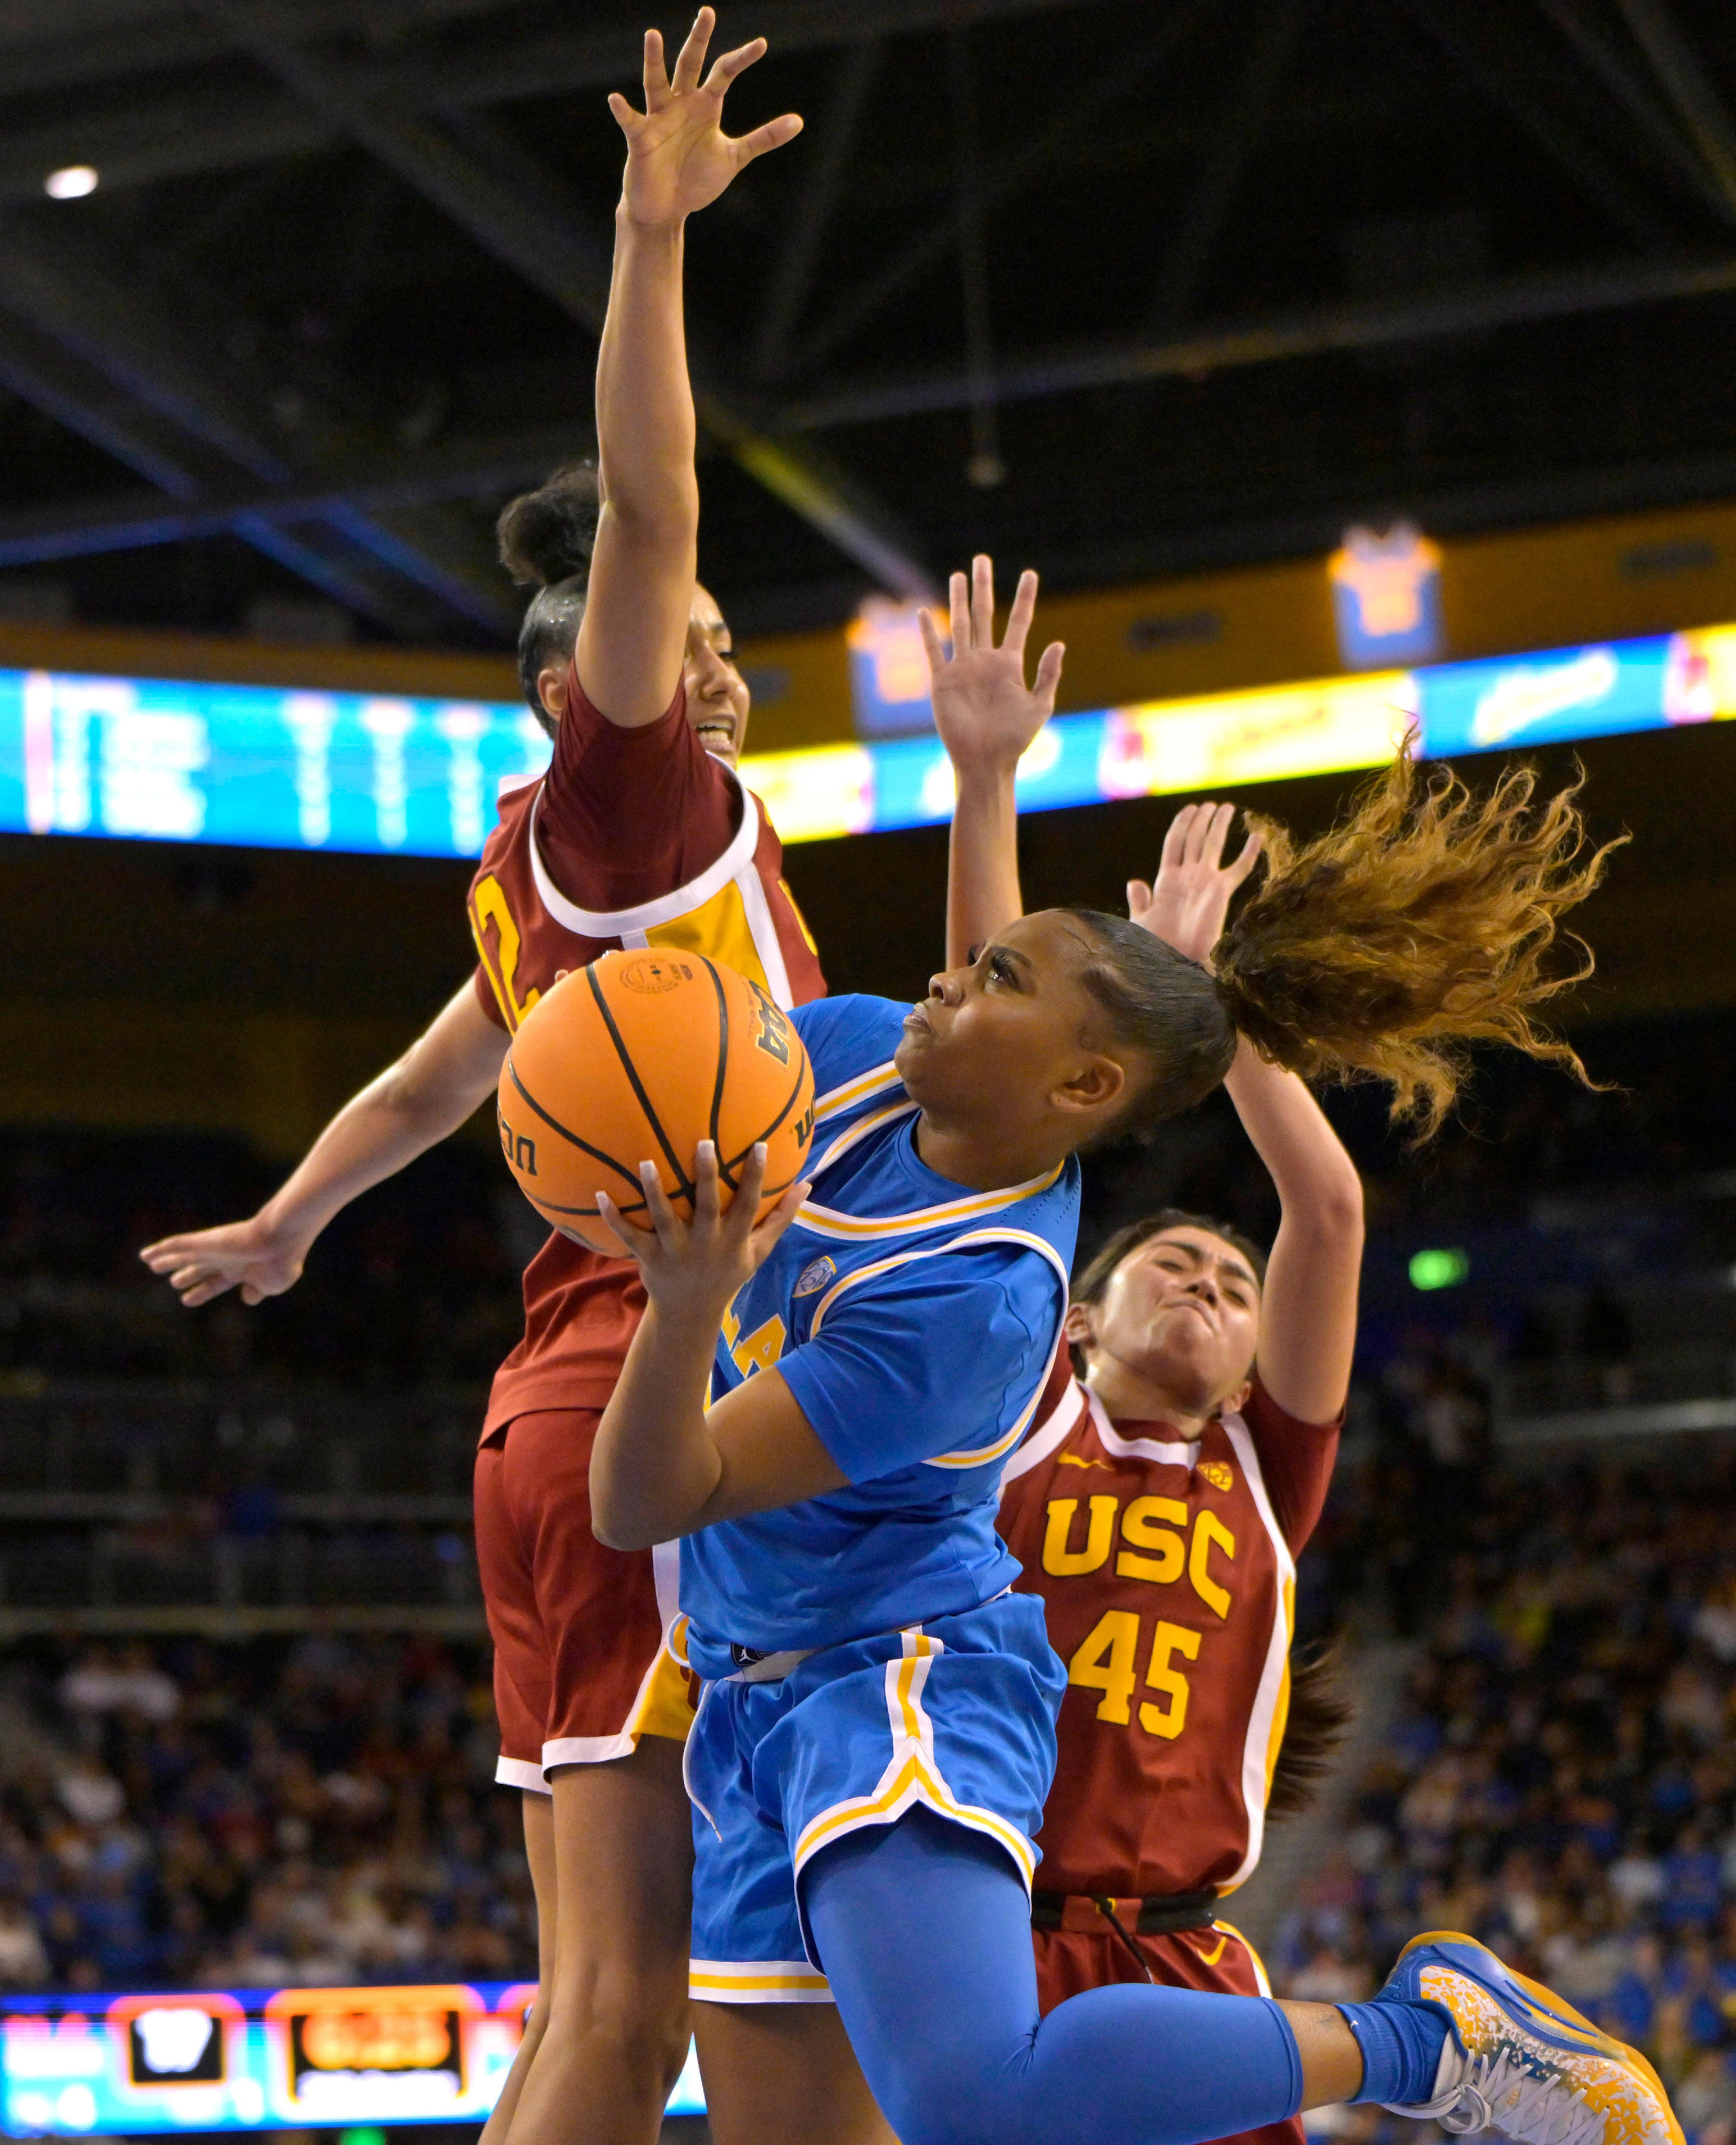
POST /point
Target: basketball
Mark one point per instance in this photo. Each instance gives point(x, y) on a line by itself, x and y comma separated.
point(638, 1057)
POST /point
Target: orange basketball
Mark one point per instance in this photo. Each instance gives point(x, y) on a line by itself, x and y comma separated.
point(637, 1058)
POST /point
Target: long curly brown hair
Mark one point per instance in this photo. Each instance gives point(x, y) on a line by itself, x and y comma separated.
point(1424, 921)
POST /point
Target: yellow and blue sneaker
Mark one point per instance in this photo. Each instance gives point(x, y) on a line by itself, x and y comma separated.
point(1520, 2061)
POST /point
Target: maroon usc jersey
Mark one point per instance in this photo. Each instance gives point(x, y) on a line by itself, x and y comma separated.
point(1167, 1570)
point(632, 838)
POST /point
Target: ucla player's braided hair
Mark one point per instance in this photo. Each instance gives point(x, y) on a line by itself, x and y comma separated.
point(1422, 923)
point(545, 538)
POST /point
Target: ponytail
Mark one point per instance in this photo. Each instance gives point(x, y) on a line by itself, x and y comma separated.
point(545, 538)
point(1419, 923)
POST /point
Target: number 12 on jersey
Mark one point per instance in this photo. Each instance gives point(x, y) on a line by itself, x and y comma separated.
point(1108, 1661)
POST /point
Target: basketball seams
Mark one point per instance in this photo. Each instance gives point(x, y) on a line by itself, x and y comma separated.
point(585, 1213)
point(684, 1182)
point(662, 1034)
point(584, 1145)
point(803, 1076)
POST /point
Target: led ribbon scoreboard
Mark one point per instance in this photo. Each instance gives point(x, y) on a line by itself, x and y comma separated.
point(264, 2059)
point(258, 767)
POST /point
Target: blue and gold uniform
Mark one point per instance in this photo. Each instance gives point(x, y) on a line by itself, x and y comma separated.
point(860, 1651)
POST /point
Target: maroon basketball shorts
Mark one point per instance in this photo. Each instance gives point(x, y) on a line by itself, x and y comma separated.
point(1220, 1959)
point(581, 1666)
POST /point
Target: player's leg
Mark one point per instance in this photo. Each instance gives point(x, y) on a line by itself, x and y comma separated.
point(783, 2074)
point(1085, 1953)
point(521, 1707)
point(618, 2016)
point(539, 1854)
point(922, 1928)
point(588, 1639)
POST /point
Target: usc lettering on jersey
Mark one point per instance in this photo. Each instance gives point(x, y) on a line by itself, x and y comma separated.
point(1168, 1580)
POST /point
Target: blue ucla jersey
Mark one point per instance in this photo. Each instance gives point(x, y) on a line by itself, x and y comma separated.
point(914, 1320)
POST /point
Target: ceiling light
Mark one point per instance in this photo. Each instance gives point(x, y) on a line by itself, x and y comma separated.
point(71, 181)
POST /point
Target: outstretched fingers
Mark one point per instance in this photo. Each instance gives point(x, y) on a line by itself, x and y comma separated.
point(634, 1243)
point(739, 1221)
point(670, 1228)
point(725, 67)
point(772, 135)
point(1018, 618)
point(1048, 672)
point(1249, 857)
point(1211, 830)
point(933, 647)
point(983, 601)
point(959, 606)
point(1175, 838)
point(690, 60)
point(705, 1185)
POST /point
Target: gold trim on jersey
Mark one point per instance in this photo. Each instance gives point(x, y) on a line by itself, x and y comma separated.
point(1271, 1697)
point(756, 1981)
point(912, 1774)
point(874, 1082)
point(830, 1221)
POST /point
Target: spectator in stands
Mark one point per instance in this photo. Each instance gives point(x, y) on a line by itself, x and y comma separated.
point(316, 1812)
point(1561, 1773)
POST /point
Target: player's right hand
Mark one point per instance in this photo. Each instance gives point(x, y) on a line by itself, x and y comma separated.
point(209, 1263)
point(679, 157)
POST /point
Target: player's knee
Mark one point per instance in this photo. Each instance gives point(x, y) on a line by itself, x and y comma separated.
point(642, 2018)
point(953, 2089)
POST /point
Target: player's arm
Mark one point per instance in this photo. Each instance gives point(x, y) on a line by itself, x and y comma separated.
point(447, 1072)
point(987, 716)
point(663, 1465)
point(633, 635)
point(1308, 1308)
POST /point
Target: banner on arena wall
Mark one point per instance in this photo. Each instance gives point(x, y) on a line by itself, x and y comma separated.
point(251, 765)
point(258, 2059)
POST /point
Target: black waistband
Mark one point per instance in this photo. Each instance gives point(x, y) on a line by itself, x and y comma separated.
point(1157, 1918)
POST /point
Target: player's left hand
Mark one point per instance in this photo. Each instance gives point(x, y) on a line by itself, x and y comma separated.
point(1186, 903)
point(679, 157)
point(985, 712)
point(692, 1268)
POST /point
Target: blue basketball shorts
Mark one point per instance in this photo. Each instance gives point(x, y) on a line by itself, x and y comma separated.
point(958, 1714)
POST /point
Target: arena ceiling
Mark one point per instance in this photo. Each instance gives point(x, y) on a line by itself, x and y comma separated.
point(1116, 287)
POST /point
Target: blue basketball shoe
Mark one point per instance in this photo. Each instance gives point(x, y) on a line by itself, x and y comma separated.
point(1520, 2061)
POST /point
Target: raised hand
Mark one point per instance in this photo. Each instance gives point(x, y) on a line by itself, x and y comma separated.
point(679, 158)
point(694, 1269)
point(209, 1263)
point(1186, 903)
point(984, 711)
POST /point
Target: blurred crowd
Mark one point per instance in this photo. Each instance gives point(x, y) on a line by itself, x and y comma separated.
point(319, 1811)
point(417, 1286)
point(1561, 1778)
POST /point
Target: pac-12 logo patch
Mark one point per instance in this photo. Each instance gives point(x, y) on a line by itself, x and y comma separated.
point(814, 1275)
point(1217, 1475)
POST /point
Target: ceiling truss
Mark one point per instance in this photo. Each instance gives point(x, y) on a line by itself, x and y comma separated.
point(1625, 99)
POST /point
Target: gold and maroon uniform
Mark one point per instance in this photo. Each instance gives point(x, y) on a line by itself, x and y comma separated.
point(1167, 1570)
point(632, 838)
